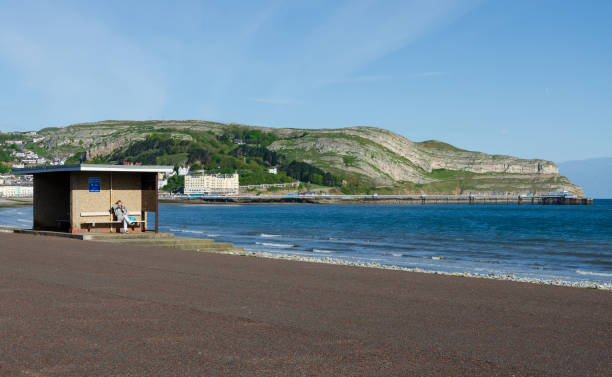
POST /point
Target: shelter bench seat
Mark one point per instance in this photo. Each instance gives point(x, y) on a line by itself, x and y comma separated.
point(92, 223)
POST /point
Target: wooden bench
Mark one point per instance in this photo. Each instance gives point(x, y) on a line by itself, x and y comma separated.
point(109, 220)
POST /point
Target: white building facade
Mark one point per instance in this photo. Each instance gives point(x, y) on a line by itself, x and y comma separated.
point(183, 170)
point(212, 184)
point(16, 191)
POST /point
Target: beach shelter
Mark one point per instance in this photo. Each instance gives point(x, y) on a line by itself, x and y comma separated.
point(78, 198)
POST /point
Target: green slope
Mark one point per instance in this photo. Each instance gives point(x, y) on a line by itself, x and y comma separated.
point(354, 159)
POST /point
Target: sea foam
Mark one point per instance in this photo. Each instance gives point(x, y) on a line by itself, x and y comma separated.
point(591, 273)
point(279, 245)
point(188, 231)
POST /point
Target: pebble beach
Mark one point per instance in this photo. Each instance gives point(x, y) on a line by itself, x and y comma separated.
point(334, 261)
point(72, 307)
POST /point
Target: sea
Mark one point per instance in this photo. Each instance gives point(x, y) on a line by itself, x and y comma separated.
point(556, 242)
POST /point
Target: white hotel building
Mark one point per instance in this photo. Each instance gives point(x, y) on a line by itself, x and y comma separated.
point(212, 184)
point(14, 191)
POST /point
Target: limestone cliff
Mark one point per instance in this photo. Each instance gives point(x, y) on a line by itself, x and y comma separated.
point(387, 158)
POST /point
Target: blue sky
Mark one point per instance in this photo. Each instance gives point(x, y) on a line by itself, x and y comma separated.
point(525, 78)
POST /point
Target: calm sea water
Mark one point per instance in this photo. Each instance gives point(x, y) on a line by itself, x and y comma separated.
point(548, 242)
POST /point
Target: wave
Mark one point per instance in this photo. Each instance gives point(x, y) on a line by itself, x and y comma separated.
point(405, 255)
point(591, 273)
point(393, 254)
point(323, 251)
point(280, 245)
point(188, 231)
point(24, 221)
point(264, 235)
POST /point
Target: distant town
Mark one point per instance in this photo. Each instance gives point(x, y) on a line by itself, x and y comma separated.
point(196, 184)
point(20, 152)
point(185, 182)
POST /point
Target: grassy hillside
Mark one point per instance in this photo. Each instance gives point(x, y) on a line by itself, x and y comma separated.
point(352, 160)
point(219, 153)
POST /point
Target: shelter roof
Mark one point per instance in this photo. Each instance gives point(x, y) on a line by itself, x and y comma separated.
point(94, 168)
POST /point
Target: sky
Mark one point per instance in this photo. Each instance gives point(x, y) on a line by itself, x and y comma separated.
point(526, 78)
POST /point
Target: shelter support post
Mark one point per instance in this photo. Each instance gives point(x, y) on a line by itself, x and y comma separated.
point(156, 204)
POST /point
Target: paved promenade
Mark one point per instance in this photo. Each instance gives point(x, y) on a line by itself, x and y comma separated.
point(71, 307)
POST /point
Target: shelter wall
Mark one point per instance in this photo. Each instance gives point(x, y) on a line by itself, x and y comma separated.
point(51, 200)
point(127, 188)
point(113, 186)
point(149, 192)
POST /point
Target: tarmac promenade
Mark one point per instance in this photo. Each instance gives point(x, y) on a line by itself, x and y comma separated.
point(80, 308)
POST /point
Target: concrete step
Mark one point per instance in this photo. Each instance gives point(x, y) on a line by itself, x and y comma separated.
point(159, 242)
point(129, 236)
point(181, 243)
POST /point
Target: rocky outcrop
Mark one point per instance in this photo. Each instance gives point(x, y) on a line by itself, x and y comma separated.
point(387, 158)
point(437, 155)
point(390, 156)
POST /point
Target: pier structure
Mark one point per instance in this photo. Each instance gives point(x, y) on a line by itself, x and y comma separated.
point(78, 198)
point(383, 199)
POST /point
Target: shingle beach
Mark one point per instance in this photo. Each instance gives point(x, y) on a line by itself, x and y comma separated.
point(70, 307)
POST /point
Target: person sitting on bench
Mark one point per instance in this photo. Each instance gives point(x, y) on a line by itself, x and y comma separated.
point(122, 215)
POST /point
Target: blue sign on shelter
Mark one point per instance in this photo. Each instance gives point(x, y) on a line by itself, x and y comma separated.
point(94, 184)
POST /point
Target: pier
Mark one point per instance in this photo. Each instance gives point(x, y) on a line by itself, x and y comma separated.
point(380, 199)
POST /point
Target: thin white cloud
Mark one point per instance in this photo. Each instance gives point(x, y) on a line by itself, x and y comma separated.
point(433, 73)
point(79, 68)
point(274, 101)
point(83, 64)
point(360, 32)
point(363, 79)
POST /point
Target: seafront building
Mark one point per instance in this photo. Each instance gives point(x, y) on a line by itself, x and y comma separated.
point(16, 191)
point(183, 170)
point(12, 186)
point(212, 184)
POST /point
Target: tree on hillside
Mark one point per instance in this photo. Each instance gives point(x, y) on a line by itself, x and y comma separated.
point(272, 158)
point(305, 172)
point(5, 156)
point(175, 183)
point(199, 155)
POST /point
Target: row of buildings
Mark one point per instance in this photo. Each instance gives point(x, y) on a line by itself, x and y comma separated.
point(12, 186)
point(197, 184)
point(25, 157)
point(14, 191)
point(212, 184)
